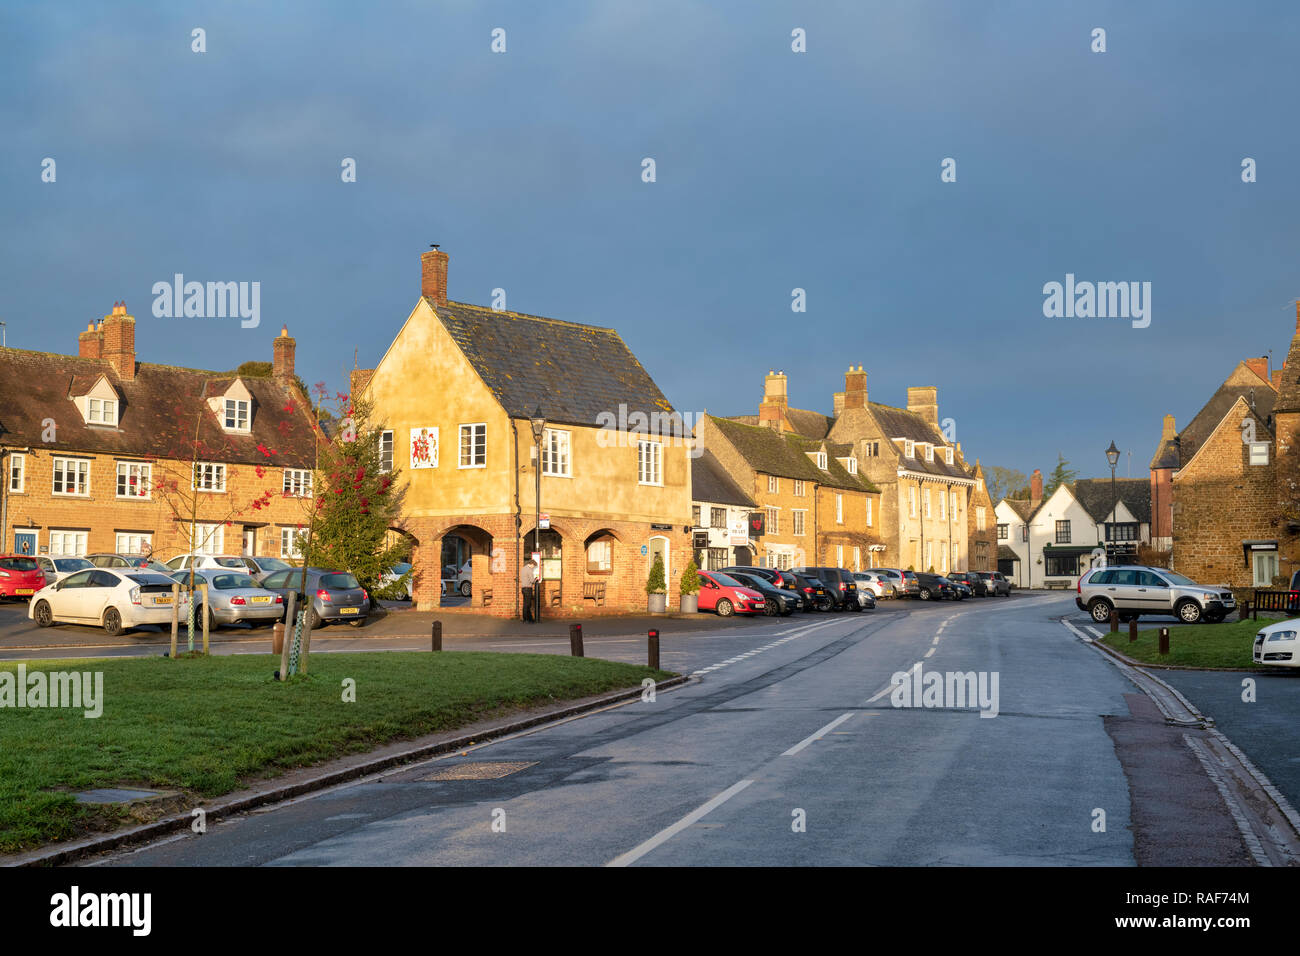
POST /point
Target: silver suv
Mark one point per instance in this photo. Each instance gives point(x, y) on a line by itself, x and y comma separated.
point(1134, 590)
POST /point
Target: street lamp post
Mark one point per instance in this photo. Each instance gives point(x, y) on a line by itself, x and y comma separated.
point(539, 427)
point(1112, 456)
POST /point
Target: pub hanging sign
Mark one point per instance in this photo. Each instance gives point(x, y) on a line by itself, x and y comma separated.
point(756, 521)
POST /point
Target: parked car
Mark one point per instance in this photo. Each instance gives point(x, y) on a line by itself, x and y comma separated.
point(780, 602)
point(905, 583)
point(183, 562)
point(107, 559)
point(259, 567)
point(117, 599)
point(961, 587)
point(866, 598)
point(935, 587)
point(1134, 590)
point(1276, 644)
point(816, 596)
point(20, 576)
point(56, 569)
point(335, 595)
point(782, 580)
point(839, 583)
point(972, 580)
point(234, 596)
point(996, 583)
point(876, 582)
point(724, 594)
point(399, 571)
point(460, 578)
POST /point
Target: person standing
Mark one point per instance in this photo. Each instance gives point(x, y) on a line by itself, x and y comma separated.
point(527, 583)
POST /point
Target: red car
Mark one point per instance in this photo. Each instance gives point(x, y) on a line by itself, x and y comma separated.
point(20, 576)
point(724, 594)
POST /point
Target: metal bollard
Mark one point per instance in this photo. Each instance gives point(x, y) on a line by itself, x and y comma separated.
point(575, 640)
point(652, 648)
point(1132, 631)
point(437, 635)
point(1114, 621)
point(1164, 641)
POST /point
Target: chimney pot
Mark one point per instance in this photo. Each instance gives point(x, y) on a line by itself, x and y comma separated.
point(433, 276)
point(1036, 486)
point(282, 356)
point(117, 342)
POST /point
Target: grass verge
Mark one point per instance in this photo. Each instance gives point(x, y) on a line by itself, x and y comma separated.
point(1203, 645)
point(207, 726)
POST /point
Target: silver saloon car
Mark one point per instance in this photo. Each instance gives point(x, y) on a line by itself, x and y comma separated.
point(234, 596)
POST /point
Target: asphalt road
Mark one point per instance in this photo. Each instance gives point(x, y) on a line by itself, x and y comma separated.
point(785, 751)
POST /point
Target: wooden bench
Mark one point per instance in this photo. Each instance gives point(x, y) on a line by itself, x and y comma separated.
point(594, 591)
point(1285, 601)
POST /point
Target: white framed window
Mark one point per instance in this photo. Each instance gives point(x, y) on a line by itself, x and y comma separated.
point(599, 554)
point(929, 452)
point(980, 516)
point(909, 449)
point(941, 510)
point(101, 411)
point(947, 455)
point(67, 543)
point(869, 520)
point(852, 466)
point(134, 480)
point(943, 561)
point(556, 460)
point(857, 558)
point(17, 473)
point(236, 417)
point(797, 522)
point(297, 482)
point(1259, 453)
point(473, 445)
point(209, 476)
point(385, 451)
point(952, 503)
point(773, 525)
point(650, 461)
point(131, 542)
point(208, 539)
point(911, 502)
point(929, 555)
point(773, 484)
point(799, 490)
point(290, 543)
point(955, 555)
point(839, 508)
point(927, 502)
point(72, 476)
point(821, 460)
point(839, 555)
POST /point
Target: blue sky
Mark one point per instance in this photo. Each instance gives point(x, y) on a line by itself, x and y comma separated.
point(775, 170)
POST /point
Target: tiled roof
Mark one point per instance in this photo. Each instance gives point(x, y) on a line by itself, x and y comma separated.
point(785, 455)
point(156, 412)
point(1095, 496)
point(1007, 553)
point(1166, 455)
point(573, 372)
point(809, 424)
point(1023, 507)
point(711, 483)
point(1211, 414)
point(900, 423)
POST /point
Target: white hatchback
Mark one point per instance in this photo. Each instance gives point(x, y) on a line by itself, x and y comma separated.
point(1278, 645)
point(116, 599)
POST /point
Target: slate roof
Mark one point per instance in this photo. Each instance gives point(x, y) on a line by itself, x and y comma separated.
point(156, 412)
point(574, 372)
point(1207, 419)
point(1166, 455)
point(711, 483)
point(807, 423)
point(785, 455)
point(1007, 553)
point(900, 423)
point(1022, 507)
point(1095, 497)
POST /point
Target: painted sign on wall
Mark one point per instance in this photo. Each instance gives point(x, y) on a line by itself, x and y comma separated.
point(424, 447)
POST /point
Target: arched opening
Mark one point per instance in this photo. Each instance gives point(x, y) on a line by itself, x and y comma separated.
point(549, 544)
point(659, 546)
point(599, 548)
point(456, 550)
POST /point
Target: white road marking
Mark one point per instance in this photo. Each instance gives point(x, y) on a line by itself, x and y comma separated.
point(663, 836)
point(889, 687)
point(1095, 632)
point(818, 734)
point(936, 639)
point(930, 652)
point(790, 636)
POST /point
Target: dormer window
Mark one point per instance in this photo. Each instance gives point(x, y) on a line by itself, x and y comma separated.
point(852, 465)
point(101, 411)
point(821, 460)
point(947, 455)
point(929, 452)
point(236, 417)
point(908, 448)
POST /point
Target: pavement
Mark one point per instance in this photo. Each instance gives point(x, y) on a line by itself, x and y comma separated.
point(786, 749)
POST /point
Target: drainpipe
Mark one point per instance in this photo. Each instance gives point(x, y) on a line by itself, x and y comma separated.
point(4, 500)
point(519, 544)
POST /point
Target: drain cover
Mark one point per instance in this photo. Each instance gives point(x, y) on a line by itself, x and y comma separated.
point(479, 771)
point(115, 795)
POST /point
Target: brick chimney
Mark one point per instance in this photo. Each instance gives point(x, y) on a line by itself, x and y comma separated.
point(433, 276)
point(1259, 366)
point(923, 400)
point(89, 344)
point(360, 378)
point(1169, 431)
point(855, 388)
point(1036, 486)
point(117, 341)
point(283, 349)
point(775, 400)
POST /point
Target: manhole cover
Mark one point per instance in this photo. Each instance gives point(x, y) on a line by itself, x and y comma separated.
point(115, 795)
point(479, 771)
